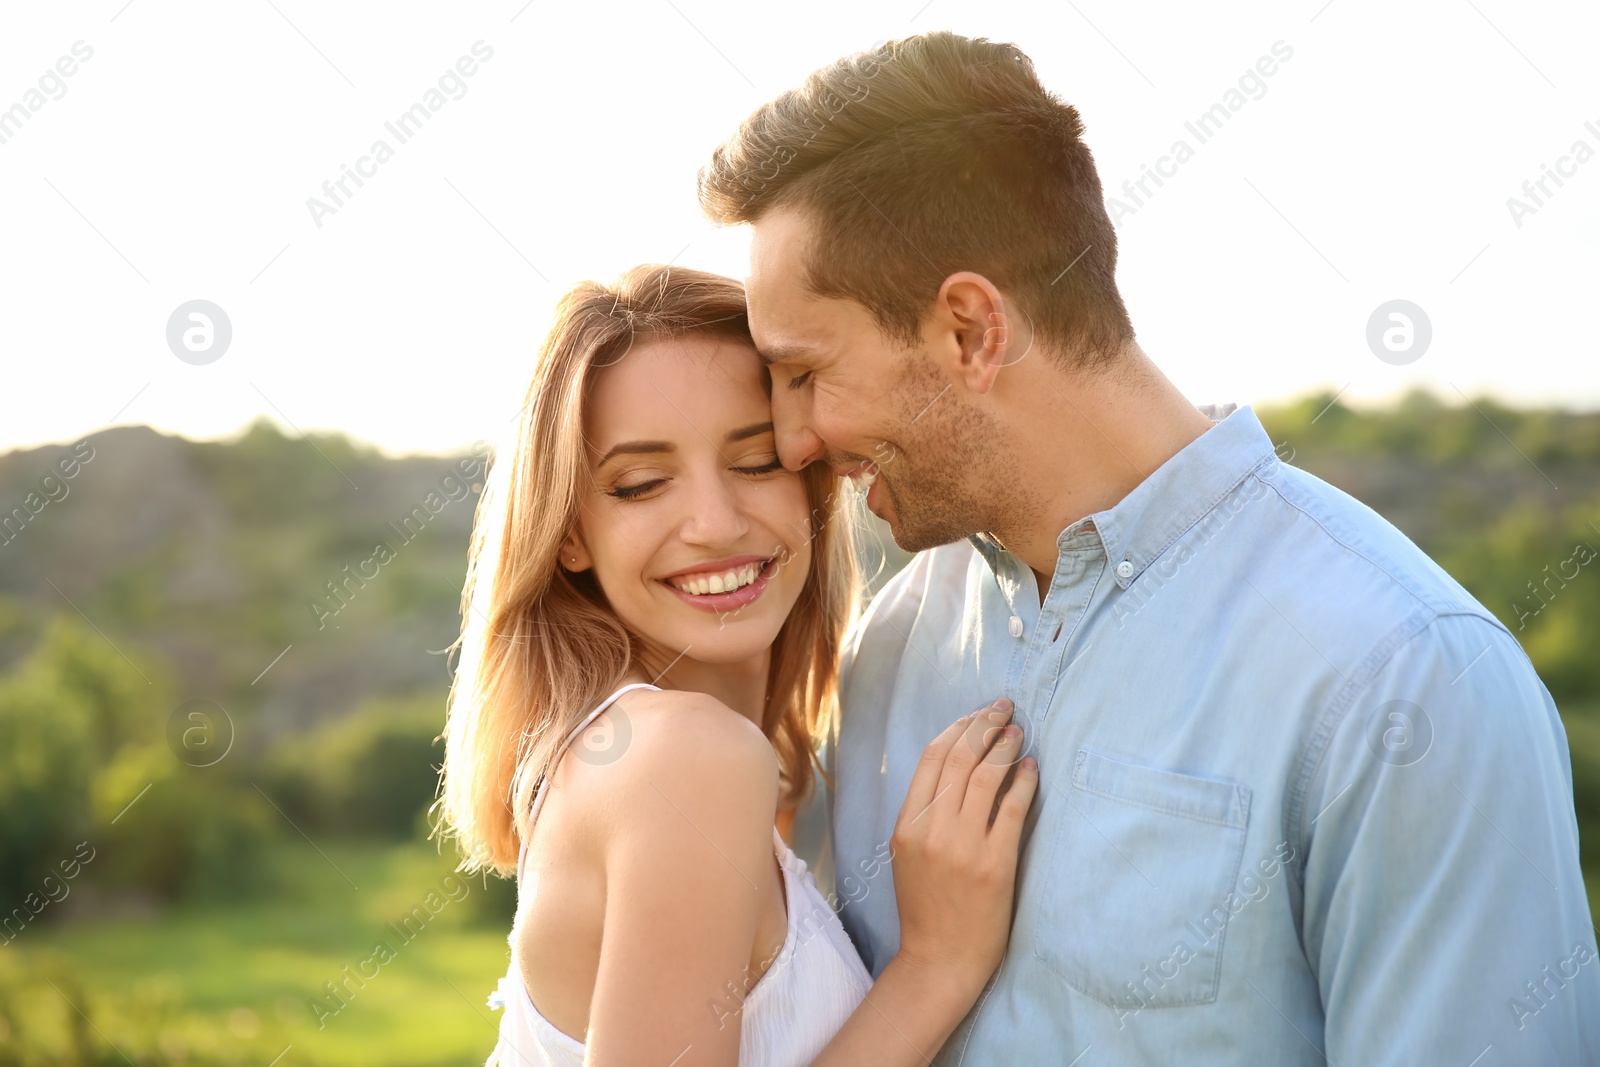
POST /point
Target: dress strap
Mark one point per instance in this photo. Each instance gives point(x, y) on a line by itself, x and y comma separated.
point(544, 780)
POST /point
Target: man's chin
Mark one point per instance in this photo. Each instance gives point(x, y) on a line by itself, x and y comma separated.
point(909, 536)
point(890, 508)
point(904, 537)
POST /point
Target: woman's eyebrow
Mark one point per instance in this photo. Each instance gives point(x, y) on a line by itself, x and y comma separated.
point(635, 448)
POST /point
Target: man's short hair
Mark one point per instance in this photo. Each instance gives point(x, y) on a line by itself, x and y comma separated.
point(926, 156)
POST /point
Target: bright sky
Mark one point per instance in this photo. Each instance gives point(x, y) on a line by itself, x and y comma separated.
point(175, 162)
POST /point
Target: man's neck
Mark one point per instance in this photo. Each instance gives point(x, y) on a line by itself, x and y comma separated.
point(1086, 440)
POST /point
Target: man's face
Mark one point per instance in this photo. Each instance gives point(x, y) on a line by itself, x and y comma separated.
point(846, 395)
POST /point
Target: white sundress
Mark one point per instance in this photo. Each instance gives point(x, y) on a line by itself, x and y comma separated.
point(787, 1018)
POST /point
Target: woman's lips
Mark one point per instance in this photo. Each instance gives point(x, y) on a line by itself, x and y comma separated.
point(721, 603)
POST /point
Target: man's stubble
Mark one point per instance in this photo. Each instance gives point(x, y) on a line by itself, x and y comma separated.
point(948, 475)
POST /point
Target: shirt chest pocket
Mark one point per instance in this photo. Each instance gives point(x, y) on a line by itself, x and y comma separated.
point(1133, 910)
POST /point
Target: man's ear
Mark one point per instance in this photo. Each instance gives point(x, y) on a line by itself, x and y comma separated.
point(574, 556)
point(978, 335)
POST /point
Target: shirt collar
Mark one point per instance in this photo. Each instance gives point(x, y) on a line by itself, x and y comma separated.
point(1180, 492)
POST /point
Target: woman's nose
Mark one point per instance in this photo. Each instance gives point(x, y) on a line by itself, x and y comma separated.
point(717, 519)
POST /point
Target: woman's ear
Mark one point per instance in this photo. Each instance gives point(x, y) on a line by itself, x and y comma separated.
point(574, 556)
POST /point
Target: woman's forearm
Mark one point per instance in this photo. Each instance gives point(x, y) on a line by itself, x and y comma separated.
point(907, 1014)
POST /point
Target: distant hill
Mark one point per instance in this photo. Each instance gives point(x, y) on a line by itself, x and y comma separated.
point(211, 556)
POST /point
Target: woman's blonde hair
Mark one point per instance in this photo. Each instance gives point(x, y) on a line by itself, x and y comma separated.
point(539, 645)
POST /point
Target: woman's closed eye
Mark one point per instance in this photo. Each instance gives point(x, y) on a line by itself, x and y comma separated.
point(757, 467)
point(799, 379)
point(636, 489)
point(772, 466)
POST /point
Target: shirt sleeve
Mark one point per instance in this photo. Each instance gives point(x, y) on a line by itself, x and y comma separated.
point(1444, 911)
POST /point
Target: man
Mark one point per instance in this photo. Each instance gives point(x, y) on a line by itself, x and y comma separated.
point(1303, 799)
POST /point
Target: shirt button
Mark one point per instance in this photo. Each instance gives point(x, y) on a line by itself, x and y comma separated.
point(1015, 626)
point(1125, 569)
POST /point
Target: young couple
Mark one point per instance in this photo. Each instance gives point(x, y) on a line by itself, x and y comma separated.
point(1283, 792)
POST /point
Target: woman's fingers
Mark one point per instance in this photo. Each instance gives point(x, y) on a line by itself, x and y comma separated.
point(969, 751)
point(983, 786)
point(925, 779)
point(1013, 809)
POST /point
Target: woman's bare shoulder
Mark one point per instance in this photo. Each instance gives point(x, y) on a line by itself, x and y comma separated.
point(666, 721)
point(655, 759)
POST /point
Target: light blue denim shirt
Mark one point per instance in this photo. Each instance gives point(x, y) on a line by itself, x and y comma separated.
point(1302, 798)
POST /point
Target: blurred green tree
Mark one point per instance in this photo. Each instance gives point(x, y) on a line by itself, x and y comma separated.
point(64, 709)
point(369, 773)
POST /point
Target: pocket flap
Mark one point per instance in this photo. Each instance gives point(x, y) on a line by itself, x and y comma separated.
point(1203, 799)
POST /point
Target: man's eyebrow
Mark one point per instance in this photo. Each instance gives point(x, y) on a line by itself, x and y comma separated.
point(635, 448)
point(771, 354)
point(747, 432)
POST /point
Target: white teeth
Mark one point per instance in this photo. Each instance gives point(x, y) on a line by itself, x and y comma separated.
point(706, 584)
point(863, 478)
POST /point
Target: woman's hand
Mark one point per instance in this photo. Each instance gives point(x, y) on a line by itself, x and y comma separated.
point(955, 875)
point(955, 870)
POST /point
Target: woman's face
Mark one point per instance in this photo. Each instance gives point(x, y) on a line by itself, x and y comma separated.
point(695, 532)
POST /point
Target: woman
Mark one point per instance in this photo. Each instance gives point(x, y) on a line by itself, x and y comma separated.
point(653, 619)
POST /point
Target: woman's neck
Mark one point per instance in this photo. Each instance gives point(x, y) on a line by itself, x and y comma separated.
point(742, 686)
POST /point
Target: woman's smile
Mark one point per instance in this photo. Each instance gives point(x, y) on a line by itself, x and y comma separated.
point(724, 585)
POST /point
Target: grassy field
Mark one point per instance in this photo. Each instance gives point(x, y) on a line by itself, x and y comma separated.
point(235, 983)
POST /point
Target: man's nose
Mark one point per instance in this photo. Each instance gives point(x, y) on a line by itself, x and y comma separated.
point(798, 444)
